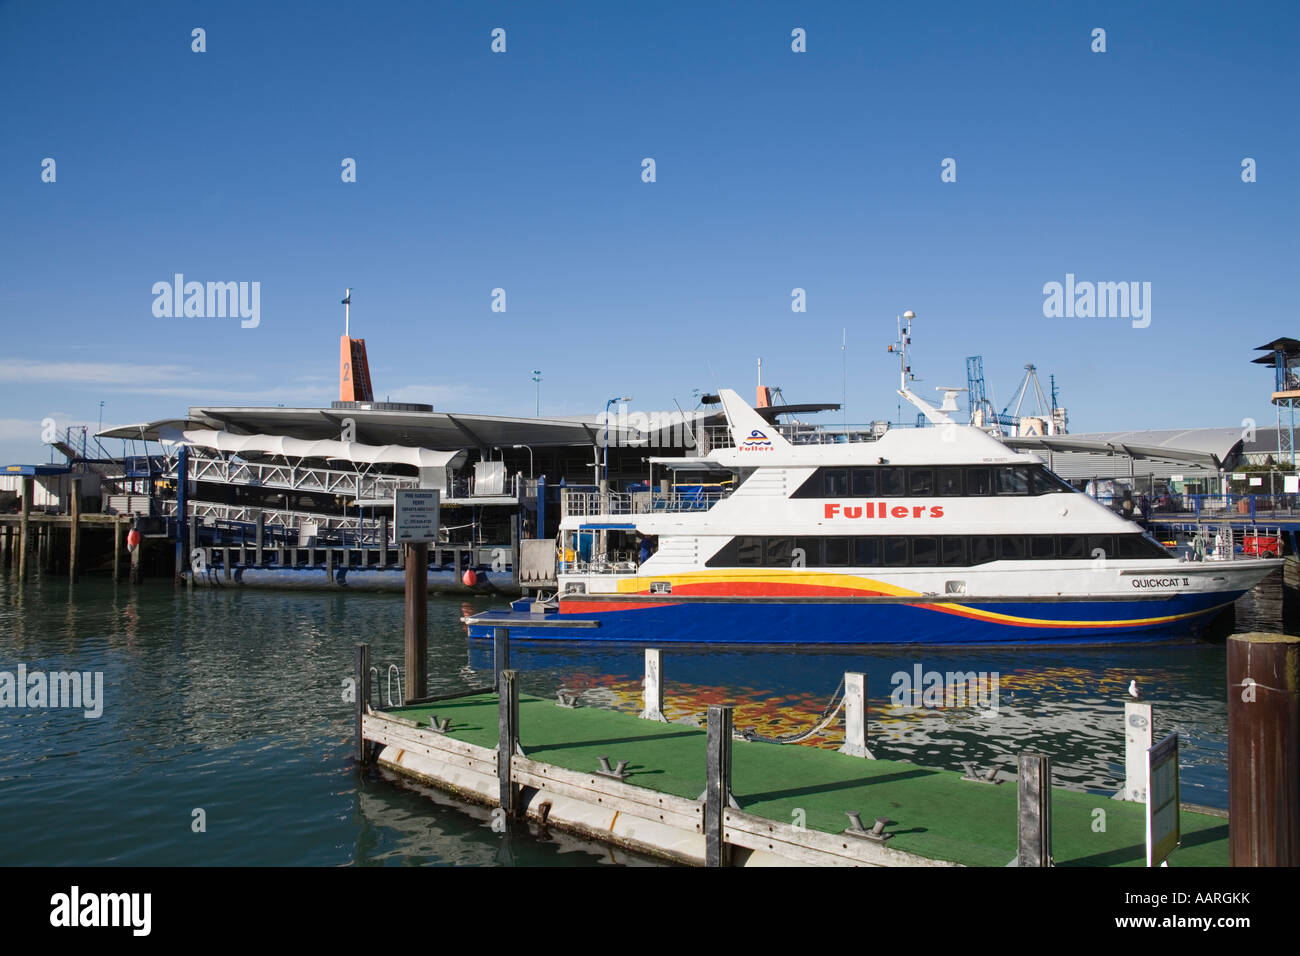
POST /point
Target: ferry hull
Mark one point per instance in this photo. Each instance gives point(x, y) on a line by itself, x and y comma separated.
point(868, 622)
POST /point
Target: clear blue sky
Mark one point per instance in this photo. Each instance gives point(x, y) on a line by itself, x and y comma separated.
point(522, 170)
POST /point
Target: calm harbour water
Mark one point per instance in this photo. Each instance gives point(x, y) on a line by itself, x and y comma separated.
point(231, 702)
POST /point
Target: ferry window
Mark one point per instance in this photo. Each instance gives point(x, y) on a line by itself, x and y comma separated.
point(889, 483)
point(835, 482)
point(978, 481)
point(925, 551)
point(812, 551)
point(749, 552)
point(1046, 482)
point(864, 482)
point(1012, 547)
point(868, 552)
point(949, 482)
point(895, 552)
point(1072, 546)
point(1138, 546)
point(920, 482)
point(1013, 480)
point(1042, 546)
point(952, 552)
point(838, 552)
point(982, 549)
point(778, 552)
point(1101, 542)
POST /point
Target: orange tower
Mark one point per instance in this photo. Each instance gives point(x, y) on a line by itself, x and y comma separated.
point(354, 370)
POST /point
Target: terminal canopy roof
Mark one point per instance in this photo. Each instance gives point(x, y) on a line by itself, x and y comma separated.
point(1207, 447)
point(438, 430)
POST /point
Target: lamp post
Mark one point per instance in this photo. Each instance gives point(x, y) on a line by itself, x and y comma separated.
point(537, 377)
point(530, 459)
point(605, 463)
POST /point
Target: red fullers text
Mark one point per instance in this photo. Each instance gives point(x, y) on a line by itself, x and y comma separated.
point(879, 509)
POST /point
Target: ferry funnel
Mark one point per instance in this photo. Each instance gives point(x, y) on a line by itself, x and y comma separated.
point(748, 428)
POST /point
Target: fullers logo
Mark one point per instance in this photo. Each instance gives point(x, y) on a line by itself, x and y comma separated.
point(756, 441)
point(879, 509)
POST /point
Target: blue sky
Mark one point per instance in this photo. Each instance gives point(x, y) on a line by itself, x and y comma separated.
point(522, 170)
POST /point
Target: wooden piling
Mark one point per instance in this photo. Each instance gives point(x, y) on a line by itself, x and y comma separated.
point(500, 655)
point(118, 534)
point(717, 794)
point(261, 531)
point(417, 620)
point(361, 697)
point(507, 737)
point(1264, 750)
point(25, 529)
point(383, 541)
point(74, 528)
point(1035, 797)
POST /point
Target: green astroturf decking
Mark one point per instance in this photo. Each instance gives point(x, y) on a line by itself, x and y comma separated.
point(937, 815)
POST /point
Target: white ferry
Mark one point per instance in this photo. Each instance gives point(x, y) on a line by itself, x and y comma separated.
point(938, 535)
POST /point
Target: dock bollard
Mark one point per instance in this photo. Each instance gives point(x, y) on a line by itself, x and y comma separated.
point(653, 693)
point(1263, 745)
point(1137, 740)
point(855, 716)
point(717, 793)
point(1034, 791)
point(507, 736)
point(361, 697)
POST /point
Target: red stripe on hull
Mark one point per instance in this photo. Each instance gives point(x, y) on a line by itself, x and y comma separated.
point(595, 607)
point(768, 589)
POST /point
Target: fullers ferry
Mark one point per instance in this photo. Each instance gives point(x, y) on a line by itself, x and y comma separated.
point(936, 535)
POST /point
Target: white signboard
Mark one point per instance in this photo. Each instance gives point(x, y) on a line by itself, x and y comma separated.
point(1256, 482)
point(1163, 834)
point(415, 515)
point(1238, 476)
point(1175, 477)
point(1291, 484)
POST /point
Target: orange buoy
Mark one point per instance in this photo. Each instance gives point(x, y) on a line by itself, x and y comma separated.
point(470, 578)
point(132, 539)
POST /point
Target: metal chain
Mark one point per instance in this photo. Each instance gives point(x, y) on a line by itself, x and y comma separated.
point(827, 715)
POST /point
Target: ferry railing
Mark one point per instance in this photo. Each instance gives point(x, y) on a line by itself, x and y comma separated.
point(1204, 507)
point(583, 503)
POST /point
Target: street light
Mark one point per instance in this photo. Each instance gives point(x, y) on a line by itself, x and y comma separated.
point(530, 459)
point(605, 464)
point(537, 377)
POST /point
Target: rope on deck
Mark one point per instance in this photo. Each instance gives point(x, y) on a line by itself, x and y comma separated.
point(829, 714)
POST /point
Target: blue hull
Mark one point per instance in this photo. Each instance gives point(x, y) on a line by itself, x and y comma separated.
point(872, 622)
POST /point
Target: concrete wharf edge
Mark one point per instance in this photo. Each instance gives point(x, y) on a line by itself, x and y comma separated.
point(941, 820)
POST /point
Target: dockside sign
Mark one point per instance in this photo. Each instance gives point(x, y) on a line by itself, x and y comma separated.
point(415, 516)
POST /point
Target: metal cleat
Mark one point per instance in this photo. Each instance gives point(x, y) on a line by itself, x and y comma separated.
point(615, 773)
point(567, 701)
point(439, 726)
point(876, 834)
point(975, 775)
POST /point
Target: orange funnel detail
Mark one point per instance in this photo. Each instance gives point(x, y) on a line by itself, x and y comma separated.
point(764, 397)
point(354, 371)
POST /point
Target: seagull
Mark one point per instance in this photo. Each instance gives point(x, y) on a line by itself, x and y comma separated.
point(1133, 690)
